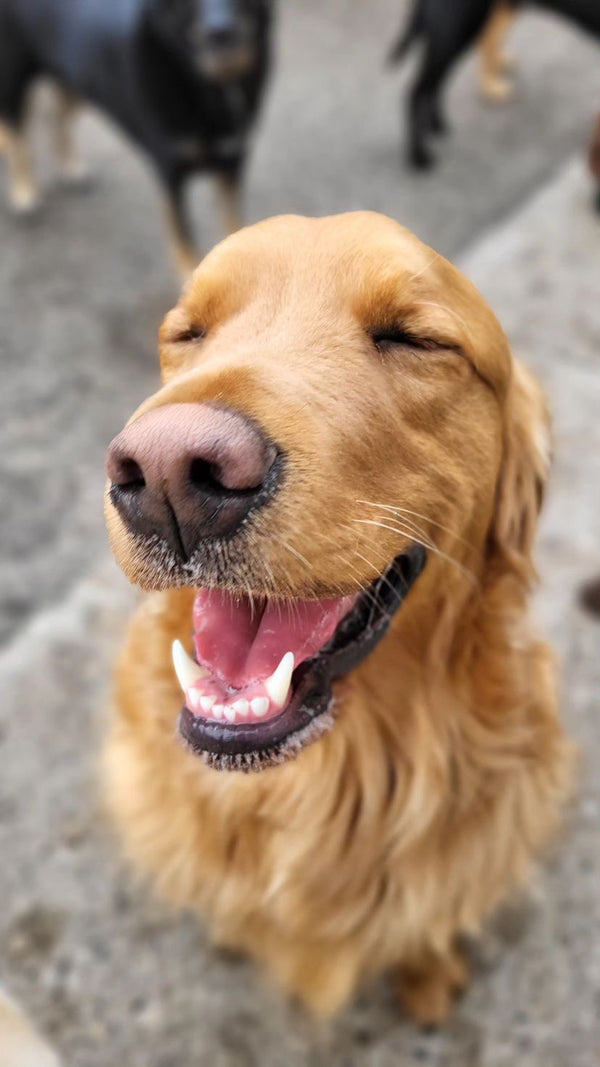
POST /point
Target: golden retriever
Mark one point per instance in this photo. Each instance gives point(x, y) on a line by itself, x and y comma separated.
point(332, 501)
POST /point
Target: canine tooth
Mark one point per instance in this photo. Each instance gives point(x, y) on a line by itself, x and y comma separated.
point(187, 670)
point(278, 684)
point(206, 702)
point(217, 711)
point(194, 697)
point(241, 706)
point(260, 706)
point(229, 712)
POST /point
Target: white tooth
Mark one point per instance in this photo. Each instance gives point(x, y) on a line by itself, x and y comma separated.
point(187, 670)
point(241, 706)
point(206, 703)
point(260, 706)
point(194, 697)
point(278, 684)
point(216, 711)
point(229, 711)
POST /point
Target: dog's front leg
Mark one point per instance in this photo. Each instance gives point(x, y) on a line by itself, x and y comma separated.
point(424, 107)
point(447, 36)
point(428, 986)
point(23, 191)
point(228, 185)
point(73, 169)
point(179, 228)
point(419, 126)
point(495, 63)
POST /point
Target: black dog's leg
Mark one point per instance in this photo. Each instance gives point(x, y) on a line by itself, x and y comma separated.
point(494, 71)
point(437, 118)
point(424, 114)
point(450, 30)
point(73, 170)
point(23, 192)
point(229, 187)
point(17, 69)
point(181, 237)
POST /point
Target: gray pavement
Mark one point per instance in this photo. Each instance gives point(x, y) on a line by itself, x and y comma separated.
point(110, 975)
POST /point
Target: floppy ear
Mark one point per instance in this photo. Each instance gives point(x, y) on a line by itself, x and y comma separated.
point(523, 473)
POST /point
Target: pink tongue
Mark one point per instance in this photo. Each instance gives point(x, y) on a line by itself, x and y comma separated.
point(241, 645)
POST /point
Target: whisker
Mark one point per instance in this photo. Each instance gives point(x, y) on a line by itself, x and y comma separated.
point(426, 518)
point(380, 576)
point(413, 528)
point(290, 594)
point(372, 566)
point(250, 596)
point(426, 539)
point(295, 553)
point(291, 601)
point(399, 528)
point(366, 592)
point(375, 602)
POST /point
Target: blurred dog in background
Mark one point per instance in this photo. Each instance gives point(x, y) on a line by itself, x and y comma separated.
point(182, 78)
point(446, 30)
point(594, 160)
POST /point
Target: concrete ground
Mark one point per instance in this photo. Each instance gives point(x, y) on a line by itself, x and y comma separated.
point(106, 972)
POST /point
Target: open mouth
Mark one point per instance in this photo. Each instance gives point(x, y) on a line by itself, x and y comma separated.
point(260, 686)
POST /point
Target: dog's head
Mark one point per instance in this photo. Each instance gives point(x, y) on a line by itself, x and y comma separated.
point(339, 408)
point(221, 39)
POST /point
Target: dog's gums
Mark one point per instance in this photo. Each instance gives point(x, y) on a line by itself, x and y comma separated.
point(260, 687)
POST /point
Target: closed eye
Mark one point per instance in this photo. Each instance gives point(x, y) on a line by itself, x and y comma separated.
point(389, 337)
point(191, 333)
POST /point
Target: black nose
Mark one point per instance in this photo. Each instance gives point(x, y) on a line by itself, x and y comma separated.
point(221, 38)
point(186, 472)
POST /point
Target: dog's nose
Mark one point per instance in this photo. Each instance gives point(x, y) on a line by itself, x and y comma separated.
point(221, 37)
point(186, 472)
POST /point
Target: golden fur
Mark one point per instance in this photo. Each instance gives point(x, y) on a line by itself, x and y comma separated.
point(445, 771)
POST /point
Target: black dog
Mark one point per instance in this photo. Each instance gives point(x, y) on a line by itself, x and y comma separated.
point(183, 78)
point(594, 165)
point(447, 28)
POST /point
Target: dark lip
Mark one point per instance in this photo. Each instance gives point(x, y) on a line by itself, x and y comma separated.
point(308, 715)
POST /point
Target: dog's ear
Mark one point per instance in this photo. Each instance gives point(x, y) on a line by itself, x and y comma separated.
point(523, 473)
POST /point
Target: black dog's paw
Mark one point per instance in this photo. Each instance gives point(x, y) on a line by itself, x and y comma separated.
point(76, 176)
point(26, 209)
point(438, 124)
point(589, 594)
point(420, 158)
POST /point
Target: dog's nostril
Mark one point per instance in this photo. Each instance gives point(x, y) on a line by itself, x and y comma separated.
point(129, 475)
point(207, 477)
